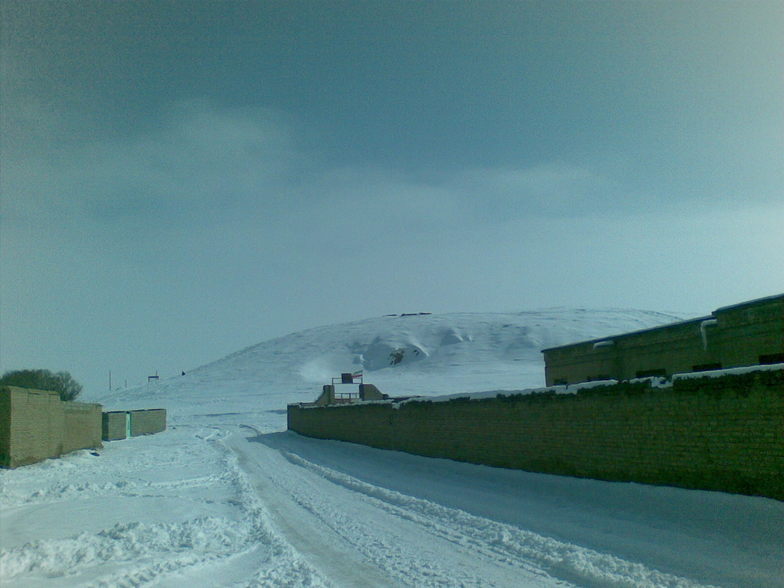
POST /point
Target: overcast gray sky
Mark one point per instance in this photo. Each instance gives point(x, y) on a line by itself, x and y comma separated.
point(181, 179)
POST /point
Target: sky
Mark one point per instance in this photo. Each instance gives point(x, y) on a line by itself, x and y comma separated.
point(182, 179)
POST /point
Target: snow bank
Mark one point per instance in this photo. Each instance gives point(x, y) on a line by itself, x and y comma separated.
point(729, 371)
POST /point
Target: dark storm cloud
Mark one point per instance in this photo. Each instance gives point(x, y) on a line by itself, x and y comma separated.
point(182, 178)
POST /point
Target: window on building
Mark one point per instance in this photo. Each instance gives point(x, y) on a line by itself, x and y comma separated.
point(771, 358)
point(657, 372)
point(705, 367)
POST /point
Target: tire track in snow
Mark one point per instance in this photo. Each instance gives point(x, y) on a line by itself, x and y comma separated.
point(345, 525)
point(503, 543)
point(325, 551)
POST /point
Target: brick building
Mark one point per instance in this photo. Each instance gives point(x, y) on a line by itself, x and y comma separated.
point(744, 334)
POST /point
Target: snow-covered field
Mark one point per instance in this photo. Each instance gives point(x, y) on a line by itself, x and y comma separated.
point(227, 497)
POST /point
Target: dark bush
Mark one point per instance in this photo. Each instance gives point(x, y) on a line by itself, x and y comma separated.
point(61, 382)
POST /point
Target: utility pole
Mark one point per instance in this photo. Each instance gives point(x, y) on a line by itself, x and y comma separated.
point(110, 380)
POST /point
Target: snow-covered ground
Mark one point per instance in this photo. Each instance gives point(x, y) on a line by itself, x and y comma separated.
point(227, 497)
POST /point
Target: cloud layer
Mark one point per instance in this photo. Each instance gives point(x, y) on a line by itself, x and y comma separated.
point(181, 179)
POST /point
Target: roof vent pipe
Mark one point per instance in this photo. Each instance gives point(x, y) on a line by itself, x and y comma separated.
point(704, 331)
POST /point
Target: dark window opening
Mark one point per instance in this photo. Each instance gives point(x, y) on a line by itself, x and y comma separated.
point(599, 378)
point(706, 367)
point(771, 358)
point(560, 382)
point(658, 372)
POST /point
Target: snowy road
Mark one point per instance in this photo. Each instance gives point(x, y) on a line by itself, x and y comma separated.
point(407, 520)
point(227, 505)
point(359, 534)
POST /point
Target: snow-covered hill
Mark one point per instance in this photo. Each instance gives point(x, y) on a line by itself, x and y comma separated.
point(412, 353)
point(226, 497)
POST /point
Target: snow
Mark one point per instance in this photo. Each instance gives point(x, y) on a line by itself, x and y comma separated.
point(559, 389)
point(730, 371)
point(602, 344)
point(226, 497)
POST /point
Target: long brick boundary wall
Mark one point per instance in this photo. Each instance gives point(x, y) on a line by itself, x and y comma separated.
point(724, 433)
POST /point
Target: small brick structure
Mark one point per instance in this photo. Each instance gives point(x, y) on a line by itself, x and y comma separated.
point(148, 421)
point(115, 425)
point(120, 424)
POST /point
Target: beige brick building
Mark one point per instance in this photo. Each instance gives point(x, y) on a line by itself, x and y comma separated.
point(744, 334)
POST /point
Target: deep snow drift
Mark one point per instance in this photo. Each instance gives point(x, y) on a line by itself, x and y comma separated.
point(226, 497)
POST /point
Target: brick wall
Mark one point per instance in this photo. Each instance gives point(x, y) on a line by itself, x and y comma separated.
point(114, 425)
point(82, 427)
point(36, 425)
point(132, 423)
point(711, 433)
point(146, 422)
